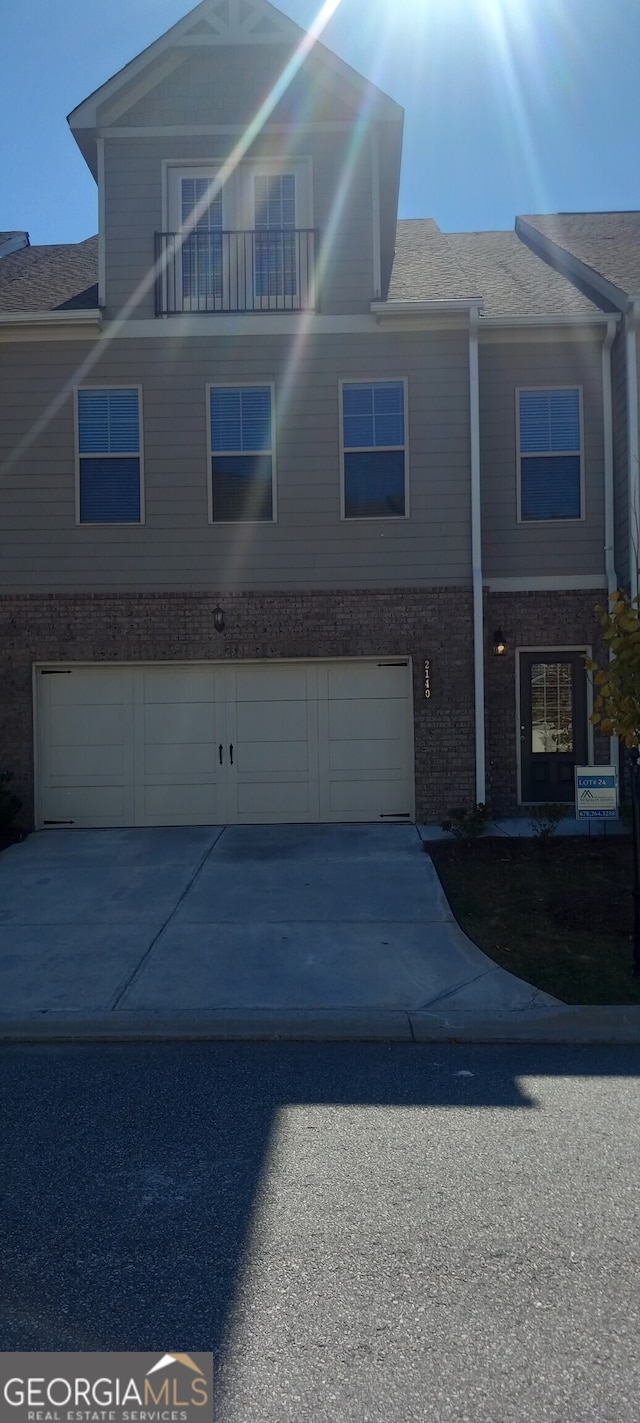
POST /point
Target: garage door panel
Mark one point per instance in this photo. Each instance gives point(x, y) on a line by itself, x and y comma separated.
point(177, 685)
point(380, 718)
point(89, 805)
point(272, 756)
point(87, 726)
point(271, 683)
point(186, 759)
point(99, 687)
point(180, 804)
point(174, 723)
point(279, 801)
point(277, 721)
point(83, 763)
point(359, 681)
point(366, 755)
point(367, 798)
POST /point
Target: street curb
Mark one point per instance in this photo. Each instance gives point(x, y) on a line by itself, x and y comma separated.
point(222, 1025)
point(566, 1025)
point(596, 1026)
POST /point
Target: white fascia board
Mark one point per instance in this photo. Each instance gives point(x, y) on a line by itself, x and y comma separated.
point(568, 264)
point(581, 319)
point(48, 325)
point(80, 317)
point(255, 324)
point(435, 307)
point(14, 244)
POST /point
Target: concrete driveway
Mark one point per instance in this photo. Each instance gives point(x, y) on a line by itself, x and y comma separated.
point(190, 922)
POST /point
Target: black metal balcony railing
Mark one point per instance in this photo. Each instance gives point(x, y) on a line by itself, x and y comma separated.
point(260, 270)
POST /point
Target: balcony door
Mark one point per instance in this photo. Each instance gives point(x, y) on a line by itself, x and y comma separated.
point(553, 724)
point(200, 276)
point(247, 250)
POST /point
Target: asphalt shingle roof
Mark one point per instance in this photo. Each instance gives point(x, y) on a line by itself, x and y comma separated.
point(607, 242)
point(497, 266)
point(425, 268)
point(512, 280)
point(50, 278)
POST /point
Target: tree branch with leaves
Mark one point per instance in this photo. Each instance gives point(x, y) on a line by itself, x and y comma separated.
point(617, 703)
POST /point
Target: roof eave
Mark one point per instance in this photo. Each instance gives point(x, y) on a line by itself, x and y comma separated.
point(435, 307)
point(79, 316)
point(549, 319)
point(566, 262)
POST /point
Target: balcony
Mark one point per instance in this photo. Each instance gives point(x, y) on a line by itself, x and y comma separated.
point(215, 271)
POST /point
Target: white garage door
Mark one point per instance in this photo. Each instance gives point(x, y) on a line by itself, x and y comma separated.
point(202, 744)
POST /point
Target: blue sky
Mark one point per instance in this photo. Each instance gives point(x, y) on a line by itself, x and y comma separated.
point(512, 106)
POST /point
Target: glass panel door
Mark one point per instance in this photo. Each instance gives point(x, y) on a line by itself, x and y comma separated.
point(553, 724)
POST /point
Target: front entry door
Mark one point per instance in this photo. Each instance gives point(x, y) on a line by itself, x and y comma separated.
point(553, 724)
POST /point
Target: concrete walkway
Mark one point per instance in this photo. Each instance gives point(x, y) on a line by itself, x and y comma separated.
point(252, 931)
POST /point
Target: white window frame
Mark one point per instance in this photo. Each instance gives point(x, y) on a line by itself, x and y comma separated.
point(374, 380)
point(242, 385)
point(137, 454)
point(173, 169)
point(550, 523)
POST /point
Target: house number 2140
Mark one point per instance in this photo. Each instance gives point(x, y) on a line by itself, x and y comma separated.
point(427, 679)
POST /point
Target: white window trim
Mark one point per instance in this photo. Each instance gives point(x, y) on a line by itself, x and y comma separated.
point(375, 380)
point(585, 650)
point(300, 164)
point(550, 523)
point(109, 385)
point(242, 385)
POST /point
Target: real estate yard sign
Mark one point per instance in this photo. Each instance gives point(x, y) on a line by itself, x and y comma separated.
point(596, 793)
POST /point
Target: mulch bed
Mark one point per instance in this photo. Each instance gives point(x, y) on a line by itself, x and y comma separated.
point(557, 913)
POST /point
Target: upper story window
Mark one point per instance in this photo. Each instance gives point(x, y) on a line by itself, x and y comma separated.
point(550, 454)
point(374, 459)
point(251, 247)
point(242, 453)
point(109, 455)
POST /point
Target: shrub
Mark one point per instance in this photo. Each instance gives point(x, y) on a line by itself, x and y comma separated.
point(467, 823)
point(546, 819)
point(9, 803)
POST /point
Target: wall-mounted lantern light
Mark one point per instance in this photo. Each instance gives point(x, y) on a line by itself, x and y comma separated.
point(218, 619)
point(499, 643)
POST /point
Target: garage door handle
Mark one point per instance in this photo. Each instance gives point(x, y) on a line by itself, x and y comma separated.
point(220, 752)
point(231, 753)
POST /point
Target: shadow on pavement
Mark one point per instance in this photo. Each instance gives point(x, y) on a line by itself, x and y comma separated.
point(130, 1173)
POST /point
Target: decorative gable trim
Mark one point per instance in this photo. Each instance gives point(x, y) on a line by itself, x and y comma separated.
point(239, 22)
point(216, 22)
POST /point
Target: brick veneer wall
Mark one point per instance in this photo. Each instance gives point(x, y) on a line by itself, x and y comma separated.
point(434, 624)
point(545, 620)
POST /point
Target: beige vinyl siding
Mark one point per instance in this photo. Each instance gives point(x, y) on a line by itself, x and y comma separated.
point(550, 548)
point(309, 547)
point(133, 202)
point(227, 84)
point(620, 457)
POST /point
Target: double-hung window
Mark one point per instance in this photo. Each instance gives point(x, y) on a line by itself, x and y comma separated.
point(109, 455)
point(550, 456)
point(374, 449)
point(242, 453)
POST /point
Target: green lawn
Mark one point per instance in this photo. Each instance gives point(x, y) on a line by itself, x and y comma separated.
point(559, 914)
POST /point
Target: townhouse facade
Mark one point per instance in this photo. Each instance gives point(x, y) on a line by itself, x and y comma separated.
point(306, 511)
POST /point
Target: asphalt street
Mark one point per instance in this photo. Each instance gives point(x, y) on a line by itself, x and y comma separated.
point(359, 1232)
